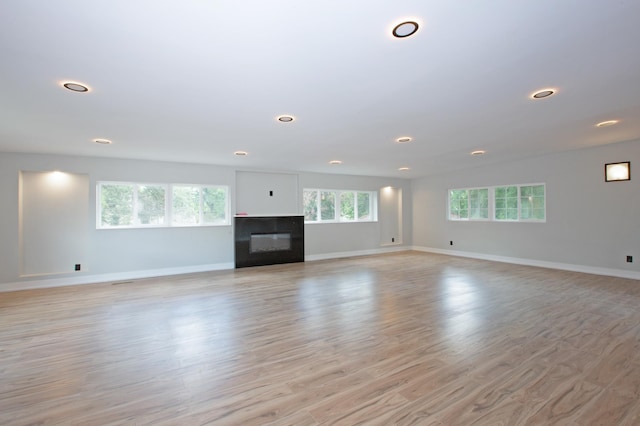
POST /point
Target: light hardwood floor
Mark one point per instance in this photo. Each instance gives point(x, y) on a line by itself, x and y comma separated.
point(407, 338)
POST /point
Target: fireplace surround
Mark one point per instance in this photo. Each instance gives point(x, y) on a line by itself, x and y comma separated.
point(268, 240)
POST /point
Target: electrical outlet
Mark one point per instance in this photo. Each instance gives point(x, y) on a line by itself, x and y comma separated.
point(450, 243)
point(629, 259)
point(77, 267)
point(393, 240)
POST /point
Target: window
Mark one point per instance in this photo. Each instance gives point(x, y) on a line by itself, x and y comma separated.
point(116, 205)
point(132, 205)
point(327, 205)
point(321, 205)
point(523, 203)
point(532, 202)
point(469, 204)
point(151, 205)
point(516, 203)
point(506, 203)
point(198, 205)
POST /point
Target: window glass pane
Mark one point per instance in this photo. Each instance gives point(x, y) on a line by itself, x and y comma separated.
point(525, 207)
point(364, 206)
point(347, 206)
point(214, 205)
point(532, 201)
point(506, 203)
point(327, 205)
point(151, 205)
point(310, 205)
point(186, 205)
point(479, 203)
point(116, 205)
point(458, 204)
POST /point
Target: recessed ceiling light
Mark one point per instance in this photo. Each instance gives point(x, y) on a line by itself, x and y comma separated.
point(241, 153)
point(75, 87)
point(478, 152)
point(102, 141)
point(403, 169)
point(335, 162)
point(405, 29)
point(607, 123)
point(544, 93)
point(404, 139)
point(286, 118)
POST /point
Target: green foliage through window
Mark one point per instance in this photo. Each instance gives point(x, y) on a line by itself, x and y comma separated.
point(338, 206)
point(510, 203)
point(116, 205)
point(469, 204)
point(124, 205)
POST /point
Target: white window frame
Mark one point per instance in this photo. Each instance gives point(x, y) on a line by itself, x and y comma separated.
point(520, 219)
point(201, 221)
point(469, 218)
point(337, 193)
point(492, 205)
point(168, 207)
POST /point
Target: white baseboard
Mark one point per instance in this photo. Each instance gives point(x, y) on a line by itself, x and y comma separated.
point(151, 273)
point(621, 273)
point(77, 279)
point(114, 277)
point(337, 255)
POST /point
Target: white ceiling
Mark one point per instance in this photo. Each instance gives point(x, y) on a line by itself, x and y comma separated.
point(194, 81)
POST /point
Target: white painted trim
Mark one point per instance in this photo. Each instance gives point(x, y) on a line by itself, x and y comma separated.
point(132, 275)
point(151, 273)
point(338, 255)
point(620, 273)
point(114, 277)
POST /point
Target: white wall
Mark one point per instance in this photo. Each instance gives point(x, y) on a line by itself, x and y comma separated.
point(267, 194)
point(120, 254)
point(322, 239)
point(54, 208)
point(589, 222)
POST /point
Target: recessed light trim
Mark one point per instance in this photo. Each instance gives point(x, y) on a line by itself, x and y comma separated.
point(404, 169)
point(544, 93)
point(335, 162)
point(75, 86)
point(405, 29)
point(607, 123)
point(241, 153)
point(404, 139)
point(286, 118)
point(102, 141)
point(478, 152)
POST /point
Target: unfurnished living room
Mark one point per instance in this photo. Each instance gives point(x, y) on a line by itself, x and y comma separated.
point(319, 213)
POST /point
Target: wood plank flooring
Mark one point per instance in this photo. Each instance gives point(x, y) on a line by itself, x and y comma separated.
point(400, 339)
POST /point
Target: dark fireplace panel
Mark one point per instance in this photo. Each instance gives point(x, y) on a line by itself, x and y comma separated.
point(268, 240)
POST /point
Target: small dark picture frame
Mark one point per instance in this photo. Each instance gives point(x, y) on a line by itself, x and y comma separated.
point(616, 172)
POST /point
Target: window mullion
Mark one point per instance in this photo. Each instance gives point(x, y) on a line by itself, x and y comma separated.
point(201, 216)
point(170, 206)
point(519, 206)
point(319, 206)
point(356, 216)
point(135, 218)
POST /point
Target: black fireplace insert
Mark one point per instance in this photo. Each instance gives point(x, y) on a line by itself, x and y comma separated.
point(268, 240)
